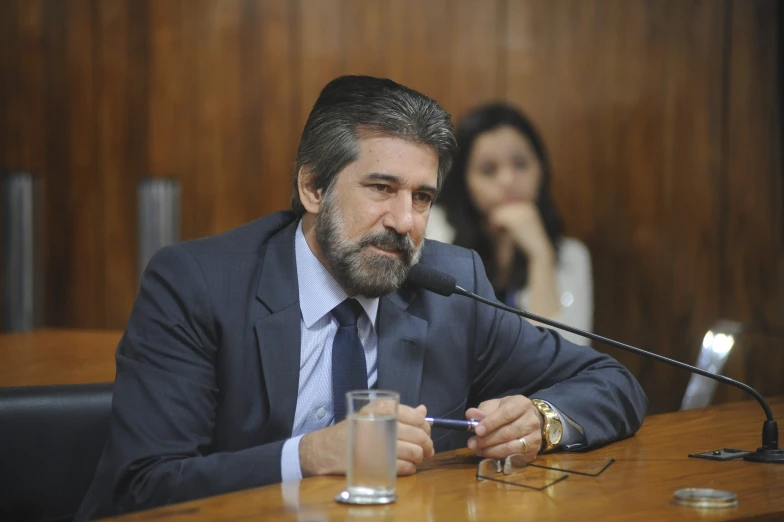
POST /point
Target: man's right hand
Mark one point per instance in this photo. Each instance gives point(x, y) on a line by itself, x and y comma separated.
point(323, 452)
point(413, 439)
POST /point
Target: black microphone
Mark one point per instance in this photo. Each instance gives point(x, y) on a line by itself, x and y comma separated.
point(433, 280)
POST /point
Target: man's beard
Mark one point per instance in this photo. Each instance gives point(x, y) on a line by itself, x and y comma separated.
point(354, 265)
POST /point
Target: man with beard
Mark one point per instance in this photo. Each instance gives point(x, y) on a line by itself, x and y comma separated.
point(240, 347)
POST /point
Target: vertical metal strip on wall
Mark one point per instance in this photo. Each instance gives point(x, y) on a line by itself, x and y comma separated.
point(716, 347)
point(159, 216)
point(22, 278)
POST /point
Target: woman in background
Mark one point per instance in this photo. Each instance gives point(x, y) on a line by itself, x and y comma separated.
point(497, 201)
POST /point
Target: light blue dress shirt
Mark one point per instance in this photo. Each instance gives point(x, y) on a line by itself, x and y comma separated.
point(319, 293)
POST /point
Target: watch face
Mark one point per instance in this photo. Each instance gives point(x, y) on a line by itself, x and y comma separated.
point(555, 432)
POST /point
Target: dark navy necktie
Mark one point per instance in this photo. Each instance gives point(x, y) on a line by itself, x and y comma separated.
point(349, 370)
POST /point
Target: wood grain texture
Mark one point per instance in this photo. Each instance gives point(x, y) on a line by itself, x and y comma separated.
point(688, 234)
point(753, 243)
point(8, 63)
point(635, 141)
point(52, 151)
point(44, 357)
point(118, 148)
point(280, 129)
point(370, 44)
point(662, 118)
point(84, 185)
point(639, 486)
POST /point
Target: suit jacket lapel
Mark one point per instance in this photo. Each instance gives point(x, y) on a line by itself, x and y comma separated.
point(278, 332)
point(401, 338)
point(401, 347)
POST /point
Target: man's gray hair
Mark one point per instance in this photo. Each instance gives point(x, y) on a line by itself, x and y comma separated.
point(349, 105)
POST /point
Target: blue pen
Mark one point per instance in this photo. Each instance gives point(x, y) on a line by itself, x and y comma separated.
point(453, 424)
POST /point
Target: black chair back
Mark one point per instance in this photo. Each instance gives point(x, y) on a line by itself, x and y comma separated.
point(51, 438)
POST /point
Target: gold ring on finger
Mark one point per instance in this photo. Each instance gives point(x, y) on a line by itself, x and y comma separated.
point(523, 444)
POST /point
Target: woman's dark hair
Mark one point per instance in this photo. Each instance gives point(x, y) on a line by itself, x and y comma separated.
point(461, 212)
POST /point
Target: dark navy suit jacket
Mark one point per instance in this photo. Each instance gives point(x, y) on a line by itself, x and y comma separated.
point(208, 367)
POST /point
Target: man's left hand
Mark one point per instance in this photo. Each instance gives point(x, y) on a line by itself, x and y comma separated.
point(503, 423)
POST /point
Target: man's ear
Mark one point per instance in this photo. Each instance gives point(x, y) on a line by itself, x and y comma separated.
point(310, 196)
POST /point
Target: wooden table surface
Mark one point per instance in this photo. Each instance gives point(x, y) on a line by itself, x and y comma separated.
point(649, 468)
point(57, 357)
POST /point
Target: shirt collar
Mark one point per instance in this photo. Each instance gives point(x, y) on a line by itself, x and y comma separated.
point(319, 293)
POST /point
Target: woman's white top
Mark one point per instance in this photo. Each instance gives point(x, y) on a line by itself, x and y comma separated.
point(573, 278)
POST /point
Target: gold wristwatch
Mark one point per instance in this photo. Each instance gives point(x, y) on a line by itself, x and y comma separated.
point(552, 429)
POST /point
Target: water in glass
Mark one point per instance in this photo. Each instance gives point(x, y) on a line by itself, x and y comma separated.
point(371, 467)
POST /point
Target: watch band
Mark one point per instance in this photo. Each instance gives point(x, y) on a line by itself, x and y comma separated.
point(550, 418)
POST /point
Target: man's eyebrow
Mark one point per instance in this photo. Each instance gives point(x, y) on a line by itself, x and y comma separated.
point(397, 180)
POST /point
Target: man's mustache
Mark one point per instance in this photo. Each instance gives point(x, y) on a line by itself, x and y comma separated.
point(390, 240)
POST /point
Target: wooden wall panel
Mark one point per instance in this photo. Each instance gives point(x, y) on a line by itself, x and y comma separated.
point(121, 154)
point(29, 90)
point(170, 56)
point(626, 254)
point(320, 47)
point(752, 256)
point(49, 146)
point(224, 54)
point(461, 37)
point(625, 128)
point(85, 186)
point(371, 42)
point(8, 66)
point(204, 76)
point(754, 212)
point(661, 118)
point(594, 60)
point(693, 145)
point(421, 62)
point(475, 55)
point(277, 96)
point(9, 75)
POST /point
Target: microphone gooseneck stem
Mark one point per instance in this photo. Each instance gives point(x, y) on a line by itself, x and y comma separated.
point(732, 382)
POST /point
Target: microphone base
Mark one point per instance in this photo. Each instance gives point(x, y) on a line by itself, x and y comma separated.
point(769, 452)
point(775, 456)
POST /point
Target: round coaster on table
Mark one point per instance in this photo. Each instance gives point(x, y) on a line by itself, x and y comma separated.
point(344, 497)
point(705, 498)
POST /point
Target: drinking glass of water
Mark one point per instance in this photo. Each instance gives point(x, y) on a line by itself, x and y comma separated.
point(371, 449)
